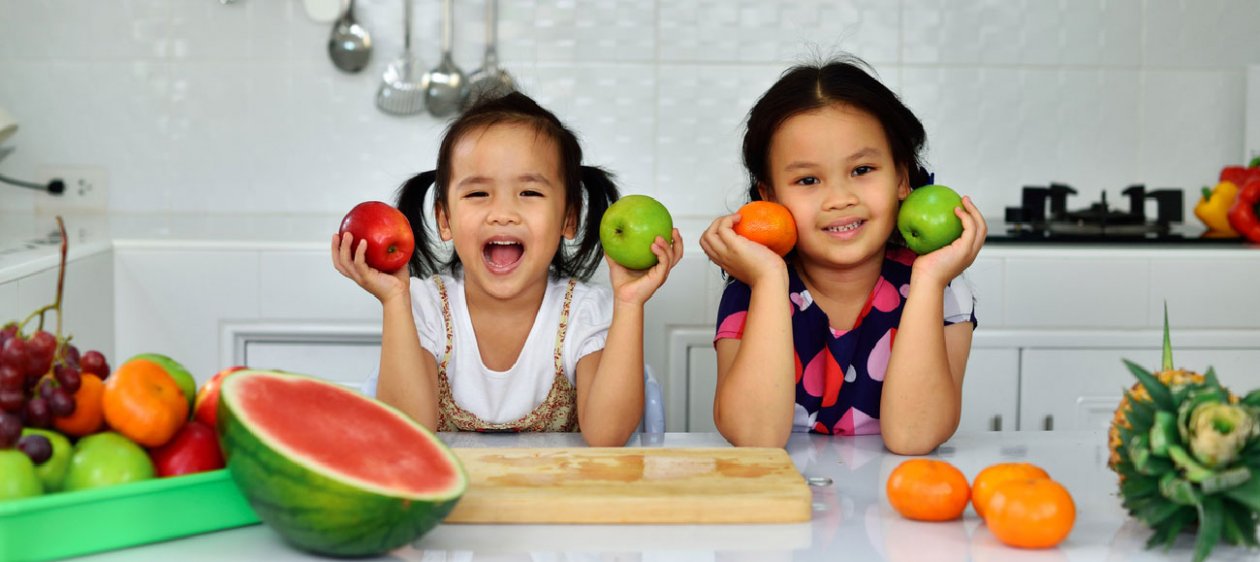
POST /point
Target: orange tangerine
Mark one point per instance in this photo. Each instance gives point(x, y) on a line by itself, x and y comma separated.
point(769, 224)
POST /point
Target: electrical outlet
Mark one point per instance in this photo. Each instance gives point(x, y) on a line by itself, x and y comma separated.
point(87, 188)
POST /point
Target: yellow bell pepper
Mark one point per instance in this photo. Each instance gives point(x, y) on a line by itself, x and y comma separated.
point(1213, 208)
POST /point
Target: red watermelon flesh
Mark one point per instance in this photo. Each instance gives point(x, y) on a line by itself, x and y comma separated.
point(327, 426)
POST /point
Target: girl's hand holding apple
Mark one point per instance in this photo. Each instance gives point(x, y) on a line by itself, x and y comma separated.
point(943, 265)
point(635, 287)
point(350, 260)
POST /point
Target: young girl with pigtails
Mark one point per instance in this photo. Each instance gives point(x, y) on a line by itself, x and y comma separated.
point(504, 334)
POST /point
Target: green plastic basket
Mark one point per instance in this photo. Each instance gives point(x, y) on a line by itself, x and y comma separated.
point(77, 523)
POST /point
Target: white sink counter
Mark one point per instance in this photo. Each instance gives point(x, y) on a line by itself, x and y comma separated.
point(851, 521)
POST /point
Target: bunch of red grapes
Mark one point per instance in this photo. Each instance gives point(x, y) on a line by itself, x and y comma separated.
point(39, 377)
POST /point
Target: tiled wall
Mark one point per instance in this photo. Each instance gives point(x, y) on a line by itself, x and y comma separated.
point(193, 105)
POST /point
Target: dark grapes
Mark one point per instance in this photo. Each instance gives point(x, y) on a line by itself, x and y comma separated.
point(60, 402)
point(69, 378)
point(45, 387)
point(71, 355)
point(12, 400)
point(39, 352)
point(37, 447)
point(10, 429)
point(94, 362)
point(14, 353)
point(11, 378)
point(37, 413)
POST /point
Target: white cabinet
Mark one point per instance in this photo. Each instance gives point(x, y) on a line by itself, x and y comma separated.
point(701, 387)
point(1076, 388)
point(346, 363)
point(990, 390)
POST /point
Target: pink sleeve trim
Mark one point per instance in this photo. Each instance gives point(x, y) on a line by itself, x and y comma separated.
point(732, 326)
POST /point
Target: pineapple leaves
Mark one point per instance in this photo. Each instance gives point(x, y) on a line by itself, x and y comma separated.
point(1252, 398)
point(1209, 378)
point(1160, 395)
point(1168, 362)
point(1163, 433)
point(1211, 523)
point(1167, 531)
point(1248, 493)
point(1244, 520)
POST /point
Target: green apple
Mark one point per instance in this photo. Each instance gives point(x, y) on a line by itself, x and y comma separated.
point(187, 384)
point(630, 226)
point(106, 459)
point(53, 471)
point(927, 220)
point(17, 476)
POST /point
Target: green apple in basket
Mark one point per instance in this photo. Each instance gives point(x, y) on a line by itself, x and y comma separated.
point(17, 476)
point(53, 471)
point(106, 459)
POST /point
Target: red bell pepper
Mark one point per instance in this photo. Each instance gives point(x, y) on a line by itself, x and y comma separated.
point(1243, 215)
point(1239, 175)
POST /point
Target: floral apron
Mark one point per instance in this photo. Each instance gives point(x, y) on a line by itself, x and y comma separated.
point(556, 413)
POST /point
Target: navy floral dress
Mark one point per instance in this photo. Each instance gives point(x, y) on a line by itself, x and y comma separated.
point(839, 373)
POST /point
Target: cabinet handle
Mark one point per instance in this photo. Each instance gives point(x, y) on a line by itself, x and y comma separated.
point(1048, 424)
point(995, 424)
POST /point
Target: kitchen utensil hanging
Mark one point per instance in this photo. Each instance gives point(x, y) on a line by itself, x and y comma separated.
point(447, 84)
point(403, 85)
point(490, 80)
point(349, 44)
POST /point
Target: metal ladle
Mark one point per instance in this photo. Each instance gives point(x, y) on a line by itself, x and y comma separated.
point(489, 81)
point(349, 44)
point(447, 84)
point(403, 85)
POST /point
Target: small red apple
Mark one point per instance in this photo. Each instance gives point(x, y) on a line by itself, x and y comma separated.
point(390, 241)
point(194, 449)
point(206, 406)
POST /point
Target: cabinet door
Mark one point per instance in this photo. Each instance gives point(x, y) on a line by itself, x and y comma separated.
point(348, 363)
point(701, 386)
point(1080, 388)
point(990, 390)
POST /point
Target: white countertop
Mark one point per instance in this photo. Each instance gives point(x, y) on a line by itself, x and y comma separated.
point(852, 519)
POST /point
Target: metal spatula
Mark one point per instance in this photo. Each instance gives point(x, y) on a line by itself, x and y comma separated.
point(404, 83)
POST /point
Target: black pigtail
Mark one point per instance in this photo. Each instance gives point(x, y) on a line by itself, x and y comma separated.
point(601, 192)
point(411, 194)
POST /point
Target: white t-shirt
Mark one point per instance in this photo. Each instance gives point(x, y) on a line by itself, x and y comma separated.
point(506, 396)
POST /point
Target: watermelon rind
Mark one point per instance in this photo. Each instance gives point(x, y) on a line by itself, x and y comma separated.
point(313, 507)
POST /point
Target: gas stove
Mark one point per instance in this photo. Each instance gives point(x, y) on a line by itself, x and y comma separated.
point(1044, 217)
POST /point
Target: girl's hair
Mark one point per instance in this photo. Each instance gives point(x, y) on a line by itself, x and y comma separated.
point(844, 81)
point(587, 185)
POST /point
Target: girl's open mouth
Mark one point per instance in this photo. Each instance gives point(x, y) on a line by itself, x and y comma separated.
point(502, 254)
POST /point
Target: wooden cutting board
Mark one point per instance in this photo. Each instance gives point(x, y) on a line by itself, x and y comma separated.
point(631, 485)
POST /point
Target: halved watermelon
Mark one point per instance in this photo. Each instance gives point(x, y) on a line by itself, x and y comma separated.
point(332, 471)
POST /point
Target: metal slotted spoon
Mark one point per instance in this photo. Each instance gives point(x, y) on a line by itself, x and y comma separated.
point(490, 80)
point(404, 84)
point(447, 84)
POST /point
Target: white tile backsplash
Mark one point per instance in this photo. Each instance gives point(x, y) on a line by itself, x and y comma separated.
point(203, 106)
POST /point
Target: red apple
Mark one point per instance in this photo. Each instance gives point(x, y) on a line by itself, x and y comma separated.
point(206, 406)
point(194, 449)
point(390, 241)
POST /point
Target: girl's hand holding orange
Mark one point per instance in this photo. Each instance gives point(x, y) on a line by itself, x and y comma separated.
point(351, 262)
point(945, 264)
point(636, 287)
point(738, 256)
point(144, 403)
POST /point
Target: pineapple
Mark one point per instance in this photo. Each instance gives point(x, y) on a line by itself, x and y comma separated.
point(1172, 378)
point(1187, 452)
